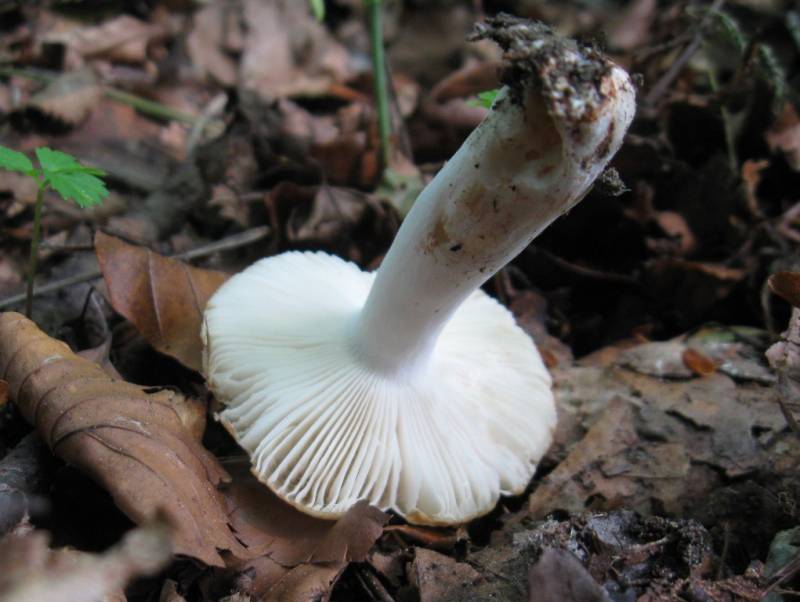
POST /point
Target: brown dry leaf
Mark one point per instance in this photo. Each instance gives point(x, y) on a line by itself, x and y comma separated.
point(613, 467)
point(334, 212)
point(164, 298)
point(530, 311)
point(20, 187)
point(787, 286)
point(303, 57)
point(447, 102)
point(784, 136)
point(23, 478)
point(632, 27)
point(751, 176)
point(3, 393)
point(304, 583)
point(295, 556)
point(674, 225)
point(271, 527)
point(434, 538)
point(438, 576)
point(32, 571)
point(122, 39)
point(560, 577)
point(69, 98)
point(698, 362)
point(214, 27)
point(666, 440)
point(143, 447)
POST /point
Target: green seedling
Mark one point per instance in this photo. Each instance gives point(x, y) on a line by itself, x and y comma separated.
point(484, 99)
point(318, 8)
point(60, 172)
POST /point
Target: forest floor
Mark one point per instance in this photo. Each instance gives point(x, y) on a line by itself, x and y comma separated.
point(231, 130)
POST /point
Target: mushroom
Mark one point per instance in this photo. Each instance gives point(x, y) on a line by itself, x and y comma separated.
point(410, 387)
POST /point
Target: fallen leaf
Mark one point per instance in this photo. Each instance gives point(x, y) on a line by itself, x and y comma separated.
point(751, 176)
point(303, 57)
point(674, 225)
point(448, 103)
point(333, 213)
point(530, 311)
point(304, 583)
point(698, 362)
point(611, 467)
point(787, 286)
point(560, 577)
point(164, 298)
point(634, 557)
point(69, 98)
point(138, 445)
point(784, 135)
point(632, 27)
point(271, 527)
point(434, 538)
point(663, 359)
point(23, 478)
point(123, 39)
point(213, 26)
point(294, 556)
point(440, 577)
point(32, 571)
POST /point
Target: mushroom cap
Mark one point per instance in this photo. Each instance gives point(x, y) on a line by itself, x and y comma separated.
point(438, 445)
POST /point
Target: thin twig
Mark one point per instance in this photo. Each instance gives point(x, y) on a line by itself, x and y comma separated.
point(584, 271)
point(663, 84)
point(232, 242)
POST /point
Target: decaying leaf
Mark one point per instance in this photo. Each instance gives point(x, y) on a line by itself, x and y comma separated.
point(784, 136)
point(560, 577)
point(122, 38)
point(611, 467)
point(295, 556)
point(303, 57)
point(666, 439)
point(698, 362)
point(787, 286)
point(69, 98)
point(32, 571)
point(138, 445)
point(438, 576)
point(214, 27)
point(22, 480)
point(164, 298)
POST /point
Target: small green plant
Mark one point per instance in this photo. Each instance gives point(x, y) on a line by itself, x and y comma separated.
point(62, 173)
point(318, 8)
point(484, 99)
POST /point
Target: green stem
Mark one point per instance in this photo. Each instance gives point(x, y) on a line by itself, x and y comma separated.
point(148, 107)
point(730, 138)
point(37, 224)
point(380, 78)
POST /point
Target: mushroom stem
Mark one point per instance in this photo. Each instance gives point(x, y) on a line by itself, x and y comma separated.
point(532, 159)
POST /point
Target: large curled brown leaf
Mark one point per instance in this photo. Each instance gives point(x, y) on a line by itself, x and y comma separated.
point(136, 444)
point(164, 298)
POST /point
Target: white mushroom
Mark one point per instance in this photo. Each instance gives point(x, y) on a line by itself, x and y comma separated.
point(411, 388)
